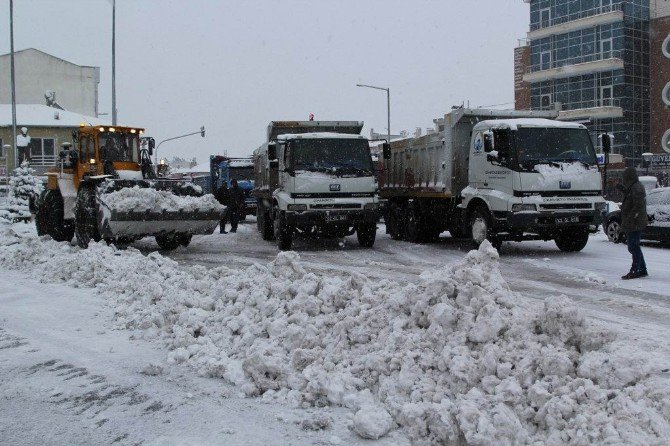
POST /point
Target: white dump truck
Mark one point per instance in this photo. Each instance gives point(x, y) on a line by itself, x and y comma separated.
point(496, 175)
point(315, 178)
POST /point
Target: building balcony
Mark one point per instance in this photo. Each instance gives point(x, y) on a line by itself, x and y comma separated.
point(578, 69)
point(600, 109)
point(574, 22)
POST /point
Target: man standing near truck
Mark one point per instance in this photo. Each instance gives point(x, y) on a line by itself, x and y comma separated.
point(633, 220)
point(222, 195)
point(236, 202)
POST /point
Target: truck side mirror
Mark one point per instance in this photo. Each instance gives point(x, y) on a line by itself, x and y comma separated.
point(272, 151)
point(503, 143)
point(607, 143)
point(488, 142)
point(152, 146)
point(386, 151)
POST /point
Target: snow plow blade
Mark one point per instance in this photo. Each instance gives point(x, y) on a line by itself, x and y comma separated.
point(160, 209)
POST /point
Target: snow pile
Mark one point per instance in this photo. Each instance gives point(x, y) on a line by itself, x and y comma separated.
point(550, 175)
point(453, 358)
point(147, 199)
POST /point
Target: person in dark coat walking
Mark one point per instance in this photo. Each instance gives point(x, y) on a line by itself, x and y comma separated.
point(236, 202)
point(223, 197)
point(633, 220)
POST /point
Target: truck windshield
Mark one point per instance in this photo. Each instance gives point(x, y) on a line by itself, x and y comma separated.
point(553, 145)
point(342, 157)
point(241, 173)
point(118, 146)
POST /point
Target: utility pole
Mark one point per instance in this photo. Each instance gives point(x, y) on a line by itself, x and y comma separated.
point(13, 81)
point(113, 62)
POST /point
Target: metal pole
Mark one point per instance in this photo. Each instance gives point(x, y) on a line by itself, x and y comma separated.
point(13, 80)
point(388, 112)
point(113, 62)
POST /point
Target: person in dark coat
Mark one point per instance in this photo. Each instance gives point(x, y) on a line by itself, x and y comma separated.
point(222, 195)
point(235, 205)
point(633, 220)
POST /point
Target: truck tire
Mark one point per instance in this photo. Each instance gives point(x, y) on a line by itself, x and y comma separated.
point(168, 242)
point(284, 234)
point(366, 235)
point(481, 228)
point(85, 217)
point(414, 228)
point(49, 217)
point(266, 226)
point(394, 226)
point(572, 241)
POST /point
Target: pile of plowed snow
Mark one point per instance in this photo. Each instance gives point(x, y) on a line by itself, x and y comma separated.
point(454, 358)
point(147, 199)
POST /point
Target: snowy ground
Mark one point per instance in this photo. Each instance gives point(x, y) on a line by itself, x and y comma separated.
point(68, 374)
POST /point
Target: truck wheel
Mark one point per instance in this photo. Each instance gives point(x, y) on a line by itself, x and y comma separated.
point(393, 225)
point(284, 235)
point(259, 216)
point(85, 217)
point(572, 241)
point(267, 228)
point(168, 242)
point(613, 231)
point(413, 229)
point(366, 235)
point(184, 239)
point(480, 227)
point(49, 218)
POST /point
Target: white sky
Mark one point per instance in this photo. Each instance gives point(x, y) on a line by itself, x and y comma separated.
point(233, 66)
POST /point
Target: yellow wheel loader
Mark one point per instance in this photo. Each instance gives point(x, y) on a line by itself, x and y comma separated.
point(105, 188)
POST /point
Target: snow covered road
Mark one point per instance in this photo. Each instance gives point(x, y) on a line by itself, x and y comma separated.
point(69, 375)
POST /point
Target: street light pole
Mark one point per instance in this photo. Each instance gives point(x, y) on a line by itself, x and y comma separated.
point(13, 81)
point(201, 132)
point(113, 62)
point(388, 106)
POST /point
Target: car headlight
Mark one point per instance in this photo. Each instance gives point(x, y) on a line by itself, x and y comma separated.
point(371, 206)
point(601, 206)
point(523, 207)
point(297, 207)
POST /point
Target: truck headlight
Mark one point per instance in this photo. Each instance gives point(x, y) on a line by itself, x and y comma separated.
point(297, 207)
point(601, 206)
point(523, 207)
point(371, 206)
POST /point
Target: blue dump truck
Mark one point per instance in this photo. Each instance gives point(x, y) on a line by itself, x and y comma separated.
point(223, 168)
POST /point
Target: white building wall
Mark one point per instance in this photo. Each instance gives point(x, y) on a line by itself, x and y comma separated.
point(76, 86)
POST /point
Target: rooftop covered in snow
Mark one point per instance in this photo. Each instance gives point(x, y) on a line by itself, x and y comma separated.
point(37, 115)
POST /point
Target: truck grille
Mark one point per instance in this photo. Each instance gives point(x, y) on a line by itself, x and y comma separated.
point(565, 206)
point(335, 206)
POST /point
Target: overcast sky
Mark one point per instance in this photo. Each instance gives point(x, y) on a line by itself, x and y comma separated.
point(233, 66)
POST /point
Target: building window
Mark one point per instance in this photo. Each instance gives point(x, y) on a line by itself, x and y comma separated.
point(42, 151)
point(605, 6)
point(545, 60)
point(606, 48)
point(606, 96)
point(545, 17)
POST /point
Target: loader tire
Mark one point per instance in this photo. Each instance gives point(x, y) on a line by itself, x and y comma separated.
point(168, 242)
point(86, 217)
point(49, 218)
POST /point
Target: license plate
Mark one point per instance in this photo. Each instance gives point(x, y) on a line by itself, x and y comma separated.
point(336, 217)
point(563, 220)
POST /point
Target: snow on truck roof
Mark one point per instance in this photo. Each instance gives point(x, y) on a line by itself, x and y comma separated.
point(514, 124)
point(320, 135)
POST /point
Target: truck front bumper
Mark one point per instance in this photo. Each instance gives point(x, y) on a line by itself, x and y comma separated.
point(308, 219)
point(543, 222)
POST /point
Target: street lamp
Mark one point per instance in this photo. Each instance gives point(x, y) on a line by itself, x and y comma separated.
point(388, 106)
point(647, 156)
point(201, 132)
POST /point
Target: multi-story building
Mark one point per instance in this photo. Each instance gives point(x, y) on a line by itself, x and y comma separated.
point(589, 60)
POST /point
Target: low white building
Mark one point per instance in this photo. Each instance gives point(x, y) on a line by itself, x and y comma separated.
point(71, 86)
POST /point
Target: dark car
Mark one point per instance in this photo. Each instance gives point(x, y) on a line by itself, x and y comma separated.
point(658, 211)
